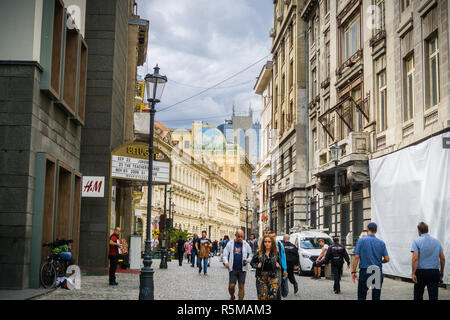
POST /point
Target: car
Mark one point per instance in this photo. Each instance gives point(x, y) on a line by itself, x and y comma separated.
point(309, 248)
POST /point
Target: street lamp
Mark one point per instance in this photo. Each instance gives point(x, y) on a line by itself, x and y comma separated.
point(155, 86)
point(163, 262)
point(336, 152)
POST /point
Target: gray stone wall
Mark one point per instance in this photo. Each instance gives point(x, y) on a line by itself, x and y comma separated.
point(29, 123)
point(106, 36)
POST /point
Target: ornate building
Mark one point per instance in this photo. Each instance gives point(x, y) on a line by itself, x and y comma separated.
point(378, 83)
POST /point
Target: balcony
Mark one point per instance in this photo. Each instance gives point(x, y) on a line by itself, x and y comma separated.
point(353, 162)
point(351, 65)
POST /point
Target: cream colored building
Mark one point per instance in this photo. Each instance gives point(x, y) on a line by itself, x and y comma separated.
point(289, 162)
point(204, 201)
point(208, 144)
point(379, 82)
point(263, 87)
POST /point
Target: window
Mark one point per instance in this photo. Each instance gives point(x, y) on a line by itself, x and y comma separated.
point(313, 84)
point(351, 38)
point(326, 4)
point(283, 87)
point(382, 122)
point(291, 74)
point(327, 60)
point(380, 16)
point(312, 31)
point(232, 169)
point(291, 35)
point(405, 4)
point(314, 138)
point(432, 72)
point(282, 53)
point(187, 144)
point(408, 109)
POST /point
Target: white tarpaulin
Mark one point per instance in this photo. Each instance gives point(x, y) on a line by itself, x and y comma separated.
point(409, 186)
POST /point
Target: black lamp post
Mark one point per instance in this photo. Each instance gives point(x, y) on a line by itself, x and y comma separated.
point(155, 86)
point(163, 263)
point(336, 152)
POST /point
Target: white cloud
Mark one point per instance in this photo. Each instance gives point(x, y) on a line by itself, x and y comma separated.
point(200, 43)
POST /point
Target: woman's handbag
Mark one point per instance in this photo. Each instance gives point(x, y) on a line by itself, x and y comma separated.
point(284, 287)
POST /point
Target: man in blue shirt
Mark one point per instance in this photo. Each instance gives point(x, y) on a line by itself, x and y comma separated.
point(428, 256)
point(371, 253)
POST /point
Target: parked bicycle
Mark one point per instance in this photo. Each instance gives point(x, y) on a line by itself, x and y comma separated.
point(57, 262)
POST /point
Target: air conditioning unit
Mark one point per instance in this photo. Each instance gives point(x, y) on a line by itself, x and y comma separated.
point(272, 32)
point(279, 15)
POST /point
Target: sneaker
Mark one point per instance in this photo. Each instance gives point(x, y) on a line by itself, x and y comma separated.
point(113, 283)
point(232, 298)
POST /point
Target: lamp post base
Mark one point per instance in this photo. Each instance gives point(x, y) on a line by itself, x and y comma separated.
point(163, 264)
point(146, 288)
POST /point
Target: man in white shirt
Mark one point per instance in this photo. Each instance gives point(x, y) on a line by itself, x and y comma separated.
point(316, 264)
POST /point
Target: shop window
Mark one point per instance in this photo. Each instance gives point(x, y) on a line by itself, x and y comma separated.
point(82, 82)
point(49, 205)
point(52, 47)
point(76, 216)
point(62, 222)
point(70, 71)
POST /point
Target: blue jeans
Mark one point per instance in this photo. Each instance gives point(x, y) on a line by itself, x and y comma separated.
point(194, 255)
point(205, 265)
point(362, 286)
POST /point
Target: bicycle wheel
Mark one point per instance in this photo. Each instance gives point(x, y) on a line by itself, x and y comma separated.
point(60, 268)
point(48, 275)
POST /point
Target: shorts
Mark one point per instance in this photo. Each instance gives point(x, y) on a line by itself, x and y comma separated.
point(237, 276)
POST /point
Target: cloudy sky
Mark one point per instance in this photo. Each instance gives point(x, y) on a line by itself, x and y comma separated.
point(199, 43)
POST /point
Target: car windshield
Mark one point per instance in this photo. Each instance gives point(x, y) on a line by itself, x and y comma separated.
point(313, 243)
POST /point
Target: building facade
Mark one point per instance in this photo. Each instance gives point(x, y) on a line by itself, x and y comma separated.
point(378, 82)
point(203, 199)
point(118, 41)
point(263, 87)
point(43, 61)
point(289, 117)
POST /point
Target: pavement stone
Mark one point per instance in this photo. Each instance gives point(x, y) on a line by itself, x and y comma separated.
point(185, 283)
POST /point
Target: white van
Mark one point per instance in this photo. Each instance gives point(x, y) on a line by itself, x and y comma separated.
point(309, 248)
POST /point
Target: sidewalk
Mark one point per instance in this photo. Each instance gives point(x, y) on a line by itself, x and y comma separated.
point(25, 294)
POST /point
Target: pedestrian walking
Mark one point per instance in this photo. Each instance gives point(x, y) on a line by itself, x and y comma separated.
point(370, 252)
point(427, 257)
point(204, 249)
point(319, 261)
point(292, 260)
point(113, 255)
point(267, 263)
point(253, 243)
point(226, 239)
point(236, 257)
point(214, 247)
point(180, 250)
point(336, 254)
point(194, 250)
point(282, 255)
point(188, 249)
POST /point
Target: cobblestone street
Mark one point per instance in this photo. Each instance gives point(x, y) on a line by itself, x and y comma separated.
point(184, 283)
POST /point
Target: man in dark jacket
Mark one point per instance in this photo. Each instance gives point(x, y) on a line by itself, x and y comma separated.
point(336, 253)
point(292, 260)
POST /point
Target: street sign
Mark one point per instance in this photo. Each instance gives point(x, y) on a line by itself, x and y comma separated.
point(93, 187)
point(446, 143)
